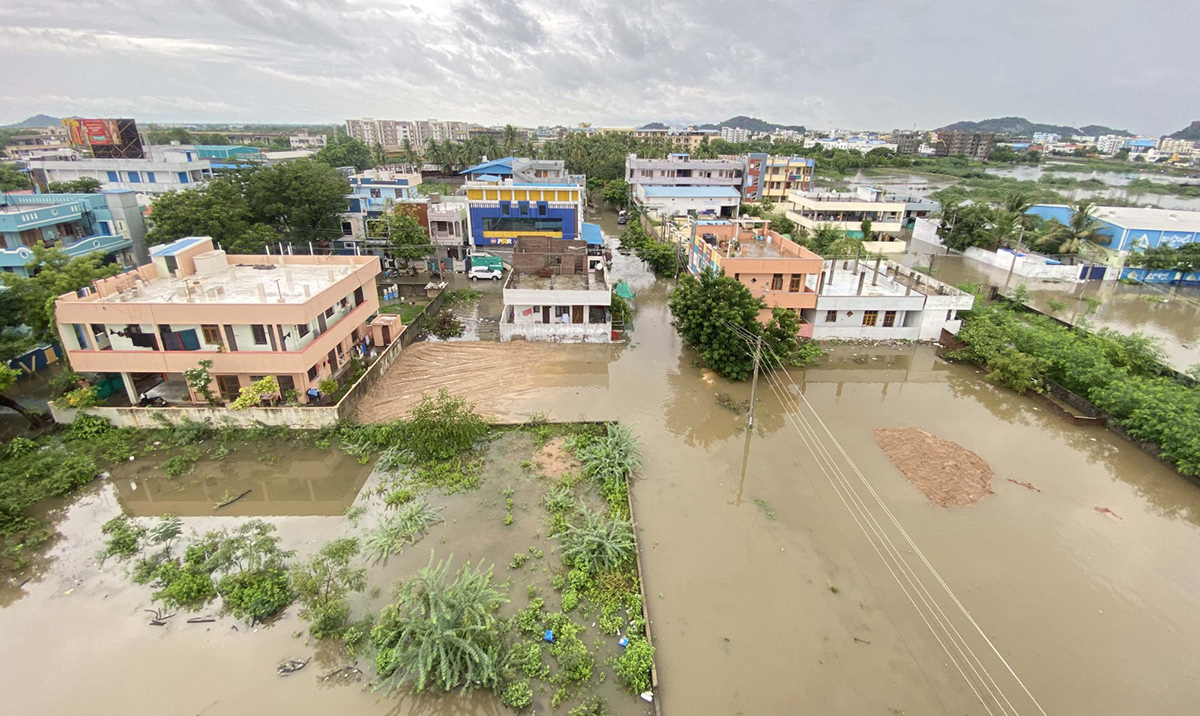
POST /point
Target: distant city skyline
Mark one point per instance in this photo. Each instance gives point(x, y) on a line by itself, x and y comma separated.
point(926, 64)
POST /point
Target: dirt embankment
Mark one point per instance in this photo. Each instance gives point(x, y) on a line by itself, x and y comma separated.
point(949, 474)
point(493, 376)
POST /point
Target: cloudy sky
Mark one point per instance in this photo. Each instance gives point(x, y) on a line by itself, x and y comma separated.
point(843, 63)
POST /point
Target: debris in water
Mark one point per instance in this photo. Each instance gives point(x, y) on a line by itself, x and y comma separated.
point(345, 673)
point(647, 696)
point(200, 620)
point(230, 502)
point(290, 666)
point(1026, 485)
point(861, 641)
point(1106, 511)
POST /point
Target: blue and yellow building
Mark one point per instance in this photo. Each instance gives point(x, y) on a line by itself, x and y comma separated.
point(109, 223)
point(501, 211)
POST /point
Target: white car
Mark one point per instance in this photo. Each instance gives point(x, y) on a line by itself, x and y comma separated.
point(485, 272)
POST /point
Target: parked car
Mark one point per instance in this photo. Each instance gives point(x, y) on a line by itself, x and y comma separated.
point(622, 217)
point(485, 272)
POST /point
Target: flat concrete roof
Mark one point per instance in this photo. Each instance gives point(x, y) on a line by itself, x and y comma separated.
point(533, 282)
point(238, 284)
point(845, 283)
point(667, 192)
point(1152, 219)
point(762, 250)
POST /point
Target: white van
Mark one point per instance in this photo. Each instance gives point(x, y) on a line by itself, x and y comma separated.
point(485, 272)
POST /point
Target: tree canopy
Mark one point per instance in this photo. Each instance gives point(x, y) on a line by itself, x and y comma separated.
point(53, 273)
point(343, 151)
point(82, 185)
point(13, 180)
point(245, 211)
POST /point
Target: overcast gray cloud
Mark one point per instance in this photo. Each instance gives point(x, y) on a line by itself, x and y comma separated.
point(849, 63)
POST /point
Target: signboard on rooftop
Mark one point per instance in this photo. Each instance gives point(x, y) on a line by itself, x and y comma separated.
point(106, 138)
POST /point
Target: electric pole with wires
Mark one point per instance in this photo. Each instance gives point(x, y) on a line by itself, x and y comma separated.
point(754, 383)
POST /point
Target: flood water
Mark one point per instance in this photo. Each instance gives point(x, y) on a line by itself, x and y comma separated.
point(303, 481)
point(776, 582)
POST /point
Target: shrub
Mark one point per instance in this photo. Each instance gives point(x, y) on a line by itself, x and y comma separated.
point(444, 325)
point(518, 695)
point(324, 585)
point(124, 537)
point(406, 527)
point(256, 595)
point(597, 542)
point(87, 427)
point(441, 427)
point(82, 397)
point(526, 657)
point(252, 394)
point(633, 666)
point(441, 633)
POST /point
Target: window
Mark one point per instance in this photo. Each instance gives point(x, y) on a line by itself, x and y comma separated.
point(302, 329)
point(347, 229)
point(134, 177)
point(212, 335)
point(794, 284)
point(889, 319)
point(260, 335)
point(777, 282)
point(150, 177)
point(358, 296)
point(112, 176)
point(312, 373)
point(375, 194)
point(329, 312)
point(870, 317)
point(183, 177)
point(831, 316)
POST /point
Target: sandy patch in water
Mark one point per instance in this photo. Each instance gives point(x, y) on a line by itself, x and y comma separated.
point(949, 474)
point(555, 459)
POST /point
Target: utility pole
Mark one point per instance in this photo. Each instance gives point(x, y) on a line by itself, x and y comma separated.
point(754, 384)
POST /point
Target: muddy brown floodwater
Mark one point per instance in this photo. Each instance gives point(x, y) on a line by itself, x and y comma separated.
point(777, 582)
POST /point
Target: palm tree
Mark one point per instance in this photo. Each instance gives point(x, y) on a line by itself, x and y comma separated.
point(510, 139)
point(410, 154)
point(433, 153)
point(1082, 228)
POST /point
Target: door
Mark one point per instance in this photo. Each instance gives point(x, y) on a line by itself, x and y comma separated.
point(387, 335)
point(545, 314)
point(286, 383)
point(576, 314)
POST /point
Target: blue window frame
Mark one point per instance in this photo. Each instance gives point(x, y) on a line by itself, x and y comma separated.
point(150, 177)
point(112, 176)
point(183, 177)
point(134, 177)
point(505, 208)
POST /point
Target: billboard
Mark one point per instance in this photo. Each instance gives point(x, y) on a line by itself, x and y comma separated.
point(106, 138)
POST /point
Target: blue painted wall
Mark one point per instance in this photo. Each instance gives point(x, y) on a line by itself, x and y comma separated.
point(1122, 238)
point(519, 210)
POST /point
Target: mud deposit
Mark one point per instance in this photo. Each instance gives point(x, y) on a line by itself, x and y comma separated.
point(947, 473)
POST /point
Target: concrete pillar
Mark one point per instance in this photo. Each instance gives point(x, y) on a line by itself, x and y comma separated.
point(130, 390)
point(875, 278)
point(862, 277)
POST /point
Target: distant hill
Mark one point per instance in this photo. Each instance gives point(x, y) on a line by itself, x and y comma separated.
point(752, 124)
point(653, 125)
point(1192, 132)
point(1021, 127)
point(38, 120)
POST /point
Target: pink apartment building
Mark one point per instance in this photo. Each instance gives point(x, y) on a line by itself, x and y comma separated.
point(297, 318)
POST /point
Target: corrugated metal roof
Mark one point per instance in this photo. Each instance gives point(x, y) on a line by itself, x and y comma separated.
point(698, 192)
point(495, 166)
point(593, 235)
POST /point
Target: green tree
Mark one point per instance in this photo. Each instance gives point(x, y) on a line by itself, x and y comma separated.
point(13, 180)
point(324, 586)
point(824, 237)
point(1082, 228)
point(8, 378)
point(343, 151)
point(510, 140)
point(219, 210)
point(53, 273)
point(965, 226)
point(709, 311)
point(616, 192)
point(83, 185)
point(865, 227)
point(406, 238)
point(378, 156)
point(303, 199)
point(441, 633)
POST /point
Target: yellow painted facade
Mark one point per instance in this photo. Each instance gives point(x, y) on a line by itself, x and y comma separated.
point(515, 234)
point(555, 194)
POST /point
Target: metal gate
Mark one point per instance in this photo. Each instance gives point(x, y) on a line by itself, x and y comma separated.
point(1091, 272)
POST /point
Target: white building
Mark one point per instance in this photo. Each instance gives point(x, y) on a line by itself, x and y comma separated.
point(1110, 143)
point(166, 168)
point(882, 300)
point(711, 201)
point(847, 210)
point(1046, 137)
point(735, 135)
point(682, 170)
point(391, 132)
point(1169, 146)
point(555, 293)
point(304, 140)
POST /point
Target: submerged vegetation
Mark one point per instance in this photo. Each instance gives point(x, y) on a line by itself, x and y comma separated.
point(1122, 375)
point(448, 626)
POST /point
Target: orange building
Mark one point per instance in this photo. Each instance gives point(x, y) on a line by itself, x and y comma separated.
point(773, 267)
point(298, 318)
